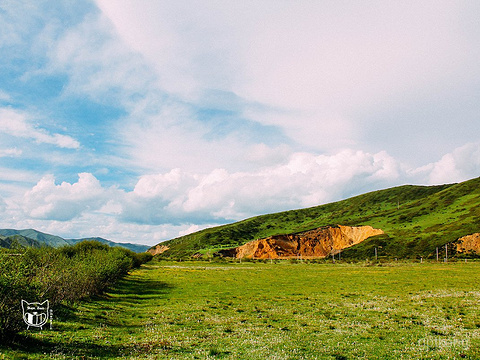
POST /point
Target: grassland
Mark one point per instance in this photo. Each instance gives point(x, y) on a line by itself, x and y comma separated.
point(416, 220)
point(285, 310)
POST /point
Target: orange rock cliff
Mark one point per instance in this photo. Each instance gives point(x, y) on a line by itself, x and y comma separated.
point(317, 243)
point(158, 249)
point(469, 243)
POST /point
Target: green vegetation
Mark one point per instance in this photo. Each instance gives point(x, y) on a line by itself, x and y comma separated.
point(134, 247)
point(59, 275)
point(416, 220)
point(280, 310)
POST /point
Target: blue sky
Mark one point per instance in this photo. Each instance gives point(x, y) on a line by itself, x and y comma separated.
point(142, 121)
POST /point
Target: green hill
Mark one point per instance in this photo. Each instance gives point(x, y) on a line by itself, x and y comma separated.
point(46, 239)
point(416, 220)
point(18, 240)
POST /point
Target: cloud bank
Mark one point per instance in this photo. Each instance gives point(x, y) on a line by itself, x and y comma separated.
point(179, 201)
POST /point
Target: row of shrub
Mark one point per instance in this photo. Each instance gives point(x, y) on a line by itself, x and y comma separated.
point(59, 275)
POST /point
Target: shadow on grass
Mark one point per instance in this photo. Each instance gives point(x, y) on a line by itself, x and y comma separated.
point(140, 287)
point(22, 347)
point(25, 347)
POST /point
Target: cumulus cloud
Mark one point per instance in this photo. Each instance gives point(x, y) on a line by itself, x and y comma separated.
point(47, 200)
point(460, 165)
point(16, 123)
point(302, 180)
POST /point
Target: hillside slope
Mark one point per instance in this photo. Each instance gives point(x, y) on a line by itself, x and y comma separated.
point(415, 219)
point(18, 241)
point(42, 238)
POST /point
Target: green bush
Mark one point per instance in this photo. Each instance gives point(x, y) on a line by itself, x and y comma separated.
point(15, 285)
point(67, 274)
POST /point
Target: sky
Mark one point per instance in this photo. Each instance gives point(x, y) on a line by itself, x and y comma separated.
point(141, 121)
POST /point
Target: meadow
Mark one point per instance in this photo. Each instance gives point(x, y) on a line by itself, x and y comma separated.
point(283, 310)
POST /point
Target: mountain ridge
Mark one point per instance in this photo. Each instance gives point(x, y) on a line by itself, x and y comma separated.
point(40, 238)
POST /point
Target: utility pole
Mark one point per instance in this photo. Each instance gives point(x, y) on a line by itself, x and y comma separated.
point(437, 253)
point(376, 257)
point(446, 253)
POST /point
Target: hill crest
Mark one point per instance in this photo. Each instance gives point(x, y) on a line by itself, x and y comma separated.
point(416, 220)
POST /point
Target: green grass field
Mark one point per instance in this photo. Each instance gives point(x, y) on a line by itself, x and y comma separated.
point(285, 310)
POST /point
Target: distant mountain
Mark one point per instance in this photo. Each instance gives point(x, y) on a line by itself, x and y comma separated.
point(42, 238)
point(416, 220)
point(134, 247)
point(31, 237)
point(18, 240)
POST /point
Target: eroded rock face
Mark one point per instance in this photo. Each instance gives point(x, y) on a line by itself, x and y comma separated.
point(469, 243)
point(158, 249)
point(316, 243)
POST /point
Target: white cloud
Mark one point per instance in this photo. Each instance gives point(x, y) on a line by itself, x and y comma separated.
point(460, 165)
point(47, 200)
point(16, 123)
point(173, 135)
point(12, 152)
point(98, 64)
point(17, 175)
point(317, 65)
point(303, 180)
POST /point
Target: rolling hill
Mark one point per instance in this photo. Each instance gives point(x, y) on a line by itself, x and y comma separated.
point(42, 238)
point(415, 220)
point(31, 237)
point(18, 240)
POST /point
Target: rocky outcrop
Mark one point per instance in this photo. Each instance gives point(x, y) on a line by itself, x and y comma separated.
point(469, 243)
point(158, 249)
point(316, 243)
